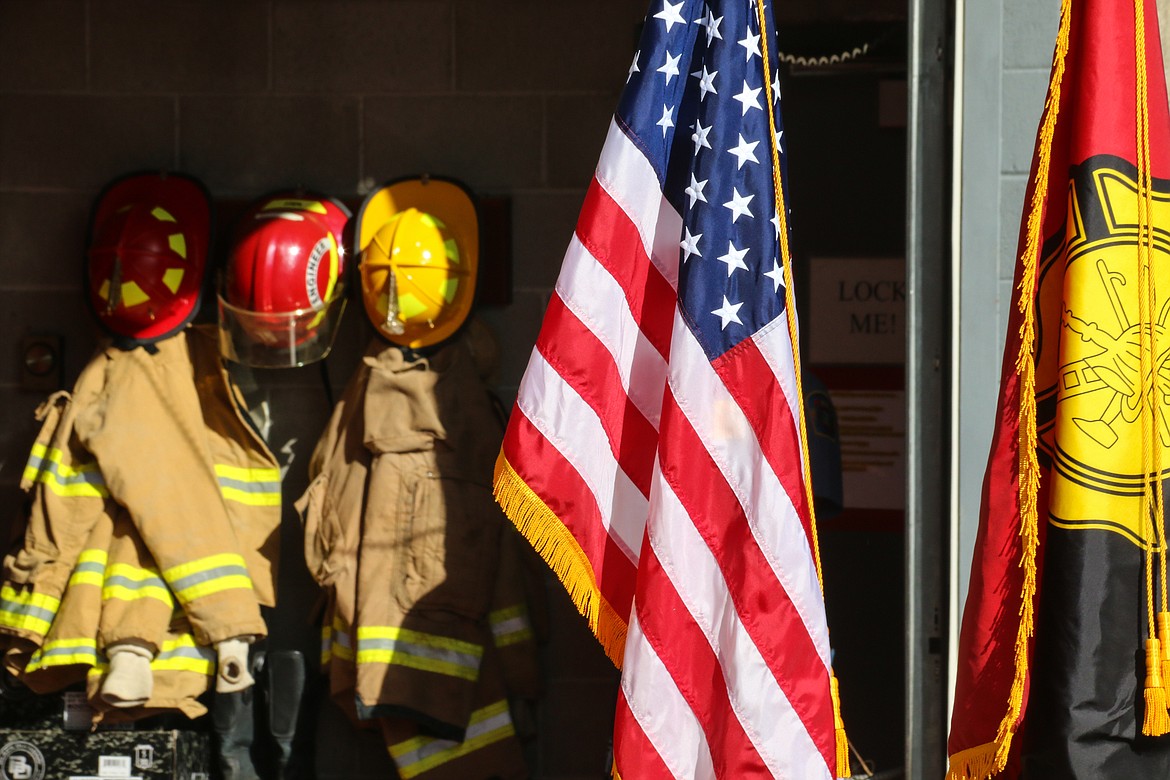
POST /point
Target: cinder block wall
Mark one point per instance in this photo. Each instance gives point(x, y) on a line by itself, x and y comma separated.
point(511, 96)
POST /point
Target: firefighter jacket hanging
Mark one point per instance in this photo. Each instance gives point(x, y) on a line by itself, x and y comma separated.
point(153, 524)
point(427, 629)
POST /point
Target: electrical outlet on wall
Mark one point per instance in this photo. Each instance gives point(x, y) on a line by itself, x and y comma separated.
point(41, 362)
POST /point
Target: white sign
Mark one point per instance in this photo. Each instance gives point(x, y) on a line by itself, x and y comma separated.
point(858, 310)
point(872, 426)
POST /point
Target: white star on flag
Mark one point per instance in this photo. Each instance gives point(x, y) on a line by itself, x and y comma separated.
point(775, 220)
point(666, 122)
point(700, 135)
point(744, 151)
point(706, 83)
point(712, 26)
point(738, 205)
point(729, 313)
point(671, 67)
point(695, 190)
point(776, 89)
point(634, 66)
point(690, 245)
point(749, 97)
point(776, 275)
point(751, 44)
point(670, 14)
point(734, 259)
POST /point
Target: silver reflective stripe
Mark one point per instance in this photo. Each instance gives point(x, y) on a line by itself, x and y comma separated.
point(187, 651)
point(466, 660)
point(510, 626)
point(249, 486)
point(88, 652)
point(183, 583)
point(28, 610)
point(128, 583)
point(91, 477)
point(439, 745)
point(97, 567)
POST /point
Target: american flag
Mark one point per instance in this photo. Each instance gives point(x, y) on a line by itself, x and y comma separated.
point(654, 456)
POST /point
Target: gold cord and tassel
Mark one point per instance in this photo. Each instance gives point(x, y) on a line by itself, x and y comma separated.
point(1156, 720)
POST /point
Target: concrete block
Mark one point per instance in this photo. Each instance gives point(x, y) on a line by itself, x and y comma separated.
point(81, 142)
point(42, 45)
point(362, 46)
point(542, 226)
point(31, 312)
point(1029, 33)
point(576, 128)
point(245, 146)
point(488, 142)
point(180, 46)
point(18, 429)
point(533, 44)
point(42, 239)
point(1022, 106)
point(1012, 191)
point(516, 327)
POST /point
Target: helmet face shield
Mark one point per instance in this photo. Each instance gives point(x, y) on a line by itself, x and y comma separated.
point(289, 339)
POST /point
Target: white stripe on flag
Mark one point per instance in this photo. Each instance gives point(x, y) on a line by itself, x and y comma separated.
point(590, 292)
point(773, 343)
point(763, 710)
point(628, 177)
point(729, 439)
point(661, 711)
point(571, 426)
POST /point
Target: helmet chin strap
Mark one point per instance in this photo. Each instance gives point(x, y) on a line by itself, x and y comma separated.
point(115, 286)
point(393, 324)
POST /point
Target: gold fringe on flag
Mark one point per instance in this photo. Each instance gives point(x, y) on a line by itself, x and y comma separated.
point(556, 545)
point(841, 740)
point(990, 759)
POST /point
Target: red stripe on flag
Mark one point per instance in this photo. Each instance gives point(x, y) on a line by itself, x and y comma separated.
point(764, 606)
point(588, 367)
point(680, 644)
point(546, 472)
point(634, 755)
point(750, 381)
point(613, 240)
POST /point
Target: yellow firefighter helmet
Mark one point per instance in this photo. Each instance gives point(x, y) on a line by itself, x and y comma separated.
point(419, 242)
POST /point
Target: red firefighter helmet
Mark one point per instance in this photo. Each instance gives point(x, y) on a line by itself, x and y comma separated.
point(147, 255)
point(282, 292)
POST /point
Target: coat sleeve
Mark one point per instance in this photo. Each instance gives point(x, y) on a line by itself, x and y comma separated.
point(147, 432)
point(67, 498)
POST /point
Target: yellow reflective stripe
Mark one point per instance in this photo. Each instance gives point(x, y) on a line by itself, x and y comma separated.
point(46, 465)
point(93, 555)
point(415, 756)
point(94, 578)
point(250, 486)
point(510, 625)
point(28, 611)
point(416, 650)
point(64, 652)
point(206, 576)
point(130, 583)
point(183, 655)
point(175, 655)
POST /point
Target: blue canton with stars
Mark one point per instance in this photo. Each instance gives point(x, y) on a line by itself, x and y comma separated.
point(695, 103)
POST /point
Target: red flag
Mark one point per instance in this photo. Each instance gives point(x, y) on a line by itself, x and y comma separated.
point(1067, 579)
point(654, 456)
